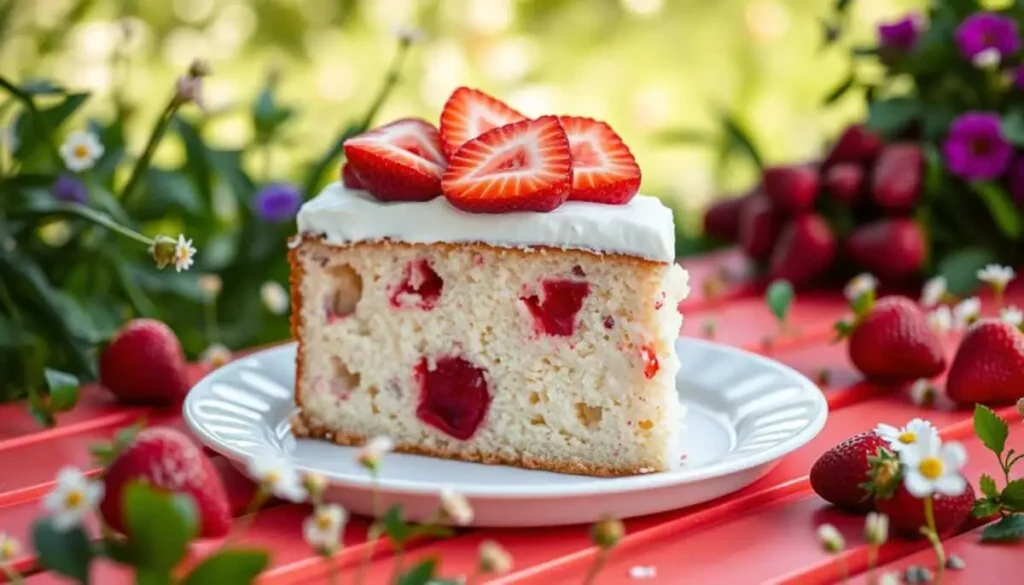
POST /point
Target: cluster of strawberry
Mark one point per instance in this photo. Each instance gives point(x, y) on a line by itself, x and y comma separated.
point(853, 206)
point(488, 158)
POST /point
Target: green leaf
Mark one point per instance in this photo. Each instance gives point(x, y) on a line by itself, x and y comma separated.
point(1006, 215)
point(229, 567)
point(1013, 127)
point(991, 429)
point(840, 90)
point(890, 116)
point(395, 526)
point(988, 486)
point(985, 507)
point(168, 191)
point(936, 120)
point(63, 390)
point(68, 553)
point(160, 525)
point(738, 139)
point(1013, 495)
point(421, 574)
point(41, 87)
point(1008, 528)
point(779, 297)
point(961, 268)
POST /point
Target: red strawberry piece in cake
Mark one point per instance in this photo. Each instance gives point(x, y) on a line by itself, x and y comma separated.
point(554, 311)
point(650, 359)
point(145, 363)
point(167, 460)
point(454, 396)
point(989, 365)
point(349, 178)
point(524, 166)
point(603, 168)
point(469, 113)
point(400, 161)
point(421, 286)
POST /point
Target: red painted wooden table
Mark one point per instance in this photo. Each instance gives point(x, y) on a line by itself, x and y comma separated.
point(765, 533)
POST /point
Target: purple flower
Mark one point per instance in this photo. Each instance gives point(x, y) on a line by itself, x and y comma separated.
point(278, 202)
point(68, 188)
point(975, 147)
point(900, 35)
point(985, 30)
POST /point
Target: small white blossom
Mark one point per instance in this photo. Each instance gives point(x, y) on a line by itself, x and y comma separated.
point(997, 276)
point(934, 291)
point(274, 297)
point(1012, 315)
point(9, 548)
point(941, 320)
point(80, 151)
point(322, 530)
point(494, 559)
point(642, 572)
point(876, 528)
point(890, 578)
point(278, 476)
point(369, 455)
point(922, 393)
point(914, 432)
point(456, 507)
point(189, 89)
point(966, 311)
point(210, 285)
point(860, 285)
point(830, 538)
point(184, 253)
point(216, 355)
point(74, 496)
point(987, 59)
point(931, 466)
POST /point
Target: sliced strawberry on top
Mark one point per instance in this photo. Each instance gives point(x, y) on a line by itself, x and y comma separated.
point(400, 161)
point(468, 113)
point(524, 166)
point(349, 177)
point(603, 168)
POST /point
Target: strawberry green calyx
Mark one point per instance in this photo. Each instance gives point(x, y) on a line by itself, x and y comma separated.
point(844, 328)
point(884, 473)
point(863, 303)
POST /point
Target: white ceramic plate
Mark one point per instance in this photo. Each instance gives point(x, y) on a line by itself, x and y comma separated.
point(744, 412)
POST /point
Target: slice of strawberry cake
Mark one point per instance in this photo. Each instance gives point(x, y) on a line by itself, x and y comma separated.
point(495, 291)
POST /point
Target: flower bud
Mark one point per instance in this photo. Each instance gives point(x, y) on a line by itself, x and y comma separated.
point(607, 532)
point(876, 528)
point(163, 251)
point(315, 484)
point(199, 68)
point(830, 539)
point(494, 559)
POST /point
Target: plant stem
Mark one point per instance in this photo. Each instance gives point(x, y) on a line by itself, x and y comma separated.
point(872, 561)
point(142, 164)
point(37, 118)
point(396, 572)
point(332, 568)
point(82, 212)
point(596, 566)
point(393, 74)
point(210, 314)
point(932, 534)
point(258, 499)
point(999, 297)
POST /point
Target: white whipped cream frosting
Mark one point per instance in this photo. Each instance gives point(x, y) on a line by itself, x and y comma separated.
point(643, 227)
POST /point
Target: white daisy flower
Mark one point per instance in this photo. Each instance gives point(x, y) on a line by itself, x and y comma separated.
point(941, 320)
point(456, 507)
point(80, 151)
point(931, 466)
point(278, 476)
point(322, 530)
point(876, 528)
point(1012, 315)
point(184, 253)
point(860, 285)
point(9, 548)
point(922, 393)
point(494, 559)
point(830, 538)
point(643, 572)
point(216, 355)
point(911, 434)
point(274, 297)
point(370, 454)
point(966, 312)
point(987, 59)
point(74, 496)
point(997, 276)
point(934, 291)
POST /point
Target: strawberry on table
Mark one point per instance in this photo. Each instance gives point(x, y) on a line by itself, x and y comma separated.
point(988, 367)
point(898, 175)
point(805, 250)
point(891, 342)
point(837, 476)
point(524, 166)
point(906, 512)
point(844, 182)
point(400, 161)
point(722, 218)
point(603, 168)
point(759, 223)
point(145, 363)
point(889, 247)
point(167, 460)
point(856, 144)
point(469, 113)
point(792, 188)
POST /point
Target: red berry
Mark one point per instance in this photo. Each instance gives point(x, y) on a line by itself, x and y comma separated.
point(806, 249)
point(651, 365)
point(603, 168)
point(469, 113)
point(897, 180)
point(400, 161)
point(454, 396)
point(722, 219)
point(906, 512)
point(144, 363)
point(792, 189)
point(893, 343)
point(844, 182)
point(838, 474)
point(889, 248)
point(167, 460)
point(989, 365)
point(555, 313)
point(856, 144)
point(421, 286)
point(349, 177)
point(759, 226)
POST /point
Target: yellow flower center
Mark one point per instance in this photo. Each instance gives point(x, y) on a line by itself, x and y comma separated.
point(273, 477)
point(907, 438)
point(73, 499)
point(323, 522)
point(81, 151)
point(930, 467)
point(7, 550)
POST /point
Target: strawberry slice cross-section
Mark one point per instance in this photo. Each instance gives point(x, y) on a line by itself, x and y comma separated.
point(604, 170)
point(400, 161)
point(468, 113)
point(523, 166)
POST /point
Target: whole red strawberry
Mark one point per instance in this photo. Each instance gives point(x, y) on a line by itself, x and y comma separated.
point(897, 179)
point(759, 226)
point(838, 474)
point(892, 343)
point(805, 249)
point(856, 144)
point(166, 459)
point(906, 512)
point(144, 363)
point(989, 365)
point(722, 219)
point(844, 182)
point(793, 188)
point(888, 248)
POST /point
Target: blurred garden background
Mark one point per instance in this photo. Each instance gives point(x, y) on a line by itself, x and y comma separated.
point(289, 76)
